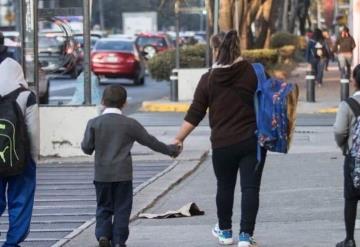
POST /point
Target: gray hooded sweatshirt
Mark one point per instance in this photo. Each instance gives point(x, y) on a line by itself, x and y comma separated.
point(11, 78)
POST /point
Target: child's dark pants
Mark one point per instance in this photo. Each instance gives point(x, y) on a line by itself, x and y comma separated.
point(113, 199)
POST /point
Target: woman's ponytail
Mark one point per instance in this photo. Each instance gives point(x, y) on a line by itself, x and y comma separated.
point(229, 49)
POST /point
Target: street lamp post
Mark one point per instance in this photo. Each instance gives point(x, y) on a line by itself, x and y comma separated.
point(87, 70)
point(174, 77)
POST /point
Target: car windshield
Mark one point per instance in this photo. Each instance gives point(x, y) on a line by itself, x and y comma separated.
point(154, 41)
point(114, 45)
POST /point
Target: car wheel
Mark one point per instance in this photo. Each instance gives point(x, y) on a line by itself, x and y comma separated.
point(138, 81)
point(142, 81)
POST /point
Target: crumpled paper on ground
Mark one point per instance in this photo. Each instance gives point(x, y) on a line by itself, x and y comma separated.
point(190, 209)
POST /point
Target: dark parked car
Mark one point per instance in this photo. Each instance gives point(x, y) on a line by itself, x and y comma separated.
point(59, 53)
point(118, 58)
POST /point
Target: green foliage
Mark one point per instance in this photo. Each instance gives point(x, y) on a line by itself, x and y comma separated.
point(281, 39)
point(264, 56)
point(162, 64)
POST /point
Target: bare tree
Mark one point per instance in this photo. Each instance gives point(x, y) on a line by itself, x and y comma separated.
point(242, 14)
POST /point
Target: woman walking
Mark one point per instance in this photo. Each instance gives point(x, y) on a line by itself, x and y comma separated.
point(344, 47)
point(317, 53)
point(228, 91)
point(344, 133)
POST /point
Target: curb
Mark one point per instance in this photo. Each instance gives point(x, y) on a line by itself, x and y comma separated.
point(141, 190)
point(329, 110)
point(150, 106)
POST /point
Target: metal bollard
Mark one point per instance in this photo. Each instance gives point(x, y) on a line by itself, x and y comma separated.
point(310, 87)
point(344, 88)
point(174, 86)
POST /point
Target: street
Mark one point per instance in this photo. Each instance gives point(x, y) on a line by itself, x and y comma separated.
point(62, 90)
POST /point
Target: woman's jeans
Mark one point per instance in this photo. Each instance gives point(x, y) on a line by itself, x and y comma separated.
point(227, 162)
point(345, 61)
point(18, 193)
point(317, 68)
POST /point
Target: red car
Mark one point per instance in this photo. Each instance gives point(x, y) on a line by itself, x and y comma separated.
point(118, 58)
point(152, 43)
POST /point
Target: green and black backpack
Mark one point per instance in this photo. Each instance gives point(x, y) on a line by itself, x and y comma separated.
point(13, 135)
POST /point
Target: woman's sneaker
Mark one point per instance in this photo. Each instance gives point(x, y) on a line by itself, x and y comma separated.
point(224, 236)
point(245, 240)
point(346, 243)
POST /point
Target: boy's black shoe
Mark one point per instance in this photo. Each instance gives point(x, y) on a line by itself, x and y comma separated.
point(346, 243)
point(104, 242)
point(120, 245)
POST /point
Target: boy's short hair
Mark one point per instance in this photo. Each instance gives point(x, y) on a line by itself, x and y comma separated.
point(114, 96)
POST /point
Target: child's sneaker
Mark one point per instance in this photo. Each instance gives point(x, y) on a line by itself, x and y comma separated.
point(224, 236)
point(245, 240)
point(104, 242)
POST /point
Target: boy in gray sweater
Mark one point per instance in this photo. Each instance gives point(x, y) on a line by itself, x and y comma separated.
point(112, 135)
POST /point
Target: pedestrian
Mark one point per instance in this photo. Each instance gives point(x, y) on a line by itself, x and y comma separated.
point(344, 133)
point(330, 47)
point(228, 91)
point(344, 47)
point(4, 53)
point(316, 55)
point(112, 135)
point(18, 191)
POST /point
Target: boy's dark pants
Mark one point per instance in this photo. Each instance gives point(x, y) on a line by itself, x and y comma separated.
point(113, 199)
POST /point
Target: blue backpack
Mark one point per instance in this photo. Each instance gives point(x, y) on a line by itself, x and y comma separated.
point(275, 106)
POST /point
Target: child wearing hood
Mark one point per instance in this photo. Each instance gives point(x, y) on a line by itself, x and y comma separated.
point(18, 191)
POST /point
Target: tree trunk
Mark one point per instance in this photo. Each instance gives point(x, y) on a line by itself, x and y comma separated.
point(210, 13)
point(292, 18)
point(266, 18)
point(226, 15)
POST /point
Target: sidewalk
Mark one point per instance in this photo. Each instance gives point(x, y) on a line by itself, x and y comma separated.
point(327, 97)
point(149, 193)
point(301, 201)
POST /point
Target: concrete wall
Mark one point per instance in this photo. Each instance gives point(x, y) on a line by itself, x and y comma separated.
point(188, 80)
point(62, 129)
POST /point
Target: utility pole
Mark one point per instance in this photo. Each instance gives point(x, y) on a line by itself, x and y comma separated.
point(177, 14)
point(87, 65)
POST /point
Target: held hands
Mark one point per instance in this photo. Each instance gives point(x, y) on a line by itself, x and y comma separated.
point(176, 148)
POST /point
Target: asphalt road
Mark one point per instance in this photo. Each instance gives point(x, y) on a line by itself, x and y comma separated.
point(62, 91)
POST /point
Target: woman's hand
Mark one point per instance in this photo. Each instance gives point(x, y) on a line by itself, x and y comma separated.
point(178, 143)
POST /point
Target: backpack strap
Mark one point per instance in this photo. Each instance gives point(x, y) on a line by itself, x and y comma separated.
point(354, 106)
point(14, 94)
point(260, 72)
